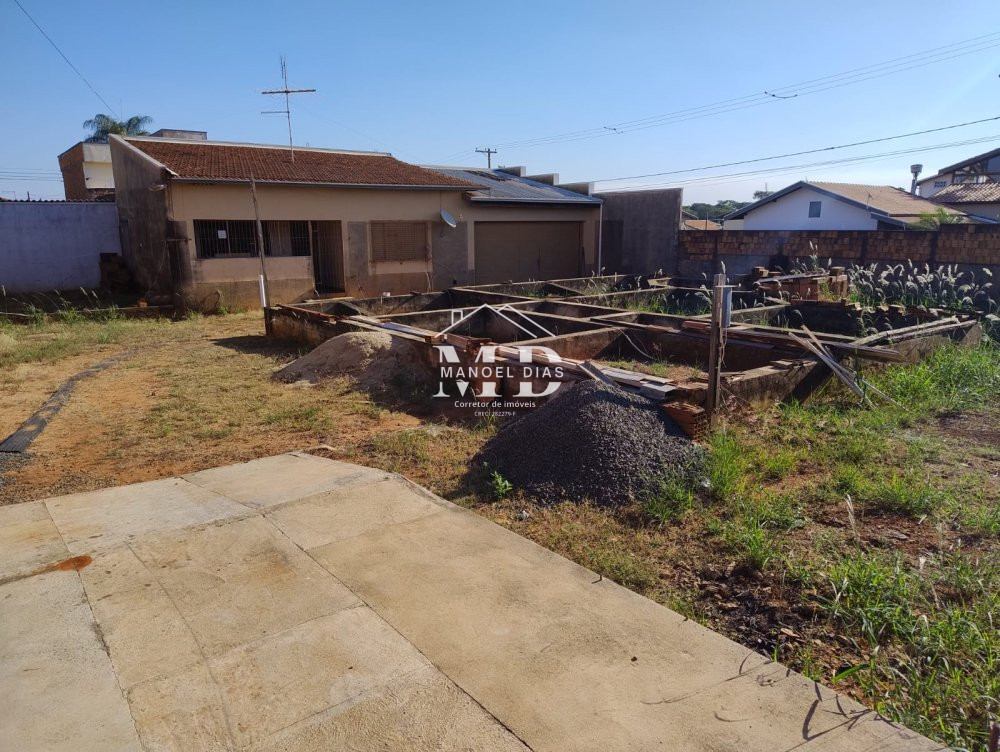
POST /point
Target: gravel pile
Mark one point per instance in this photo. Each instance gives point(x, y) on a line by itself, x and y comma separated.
point(591, 442)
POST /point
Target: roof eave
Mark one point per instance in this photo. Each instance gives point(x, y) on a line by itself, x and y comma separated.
point(314, 184)
point(536, 201)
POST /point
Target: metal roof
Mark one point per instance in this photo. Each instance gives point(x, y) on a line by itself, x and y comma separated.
point(502, 187)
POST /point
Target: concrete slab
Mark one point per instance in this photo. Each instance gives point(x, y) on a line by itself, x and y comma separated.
point(282, 478)
point(286, 678)
point(341, 514)
point(524, 631)
point(98, 519)
point(366, 615)
point(241, 581)
point(28, 539)
point(145, 634)
point(57, 688)
point(419, 712)
point(181, 713)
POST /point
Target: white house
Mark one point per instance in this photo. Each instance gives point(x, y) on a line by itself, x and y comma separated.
point(972, 186)
point(809, 205)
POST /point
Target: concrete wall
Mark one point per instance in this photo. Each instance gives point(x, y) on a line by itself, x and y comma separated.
point(640, 231)
point(54, 245)
point(969, 246)
point(142, 215)
point(791, 212)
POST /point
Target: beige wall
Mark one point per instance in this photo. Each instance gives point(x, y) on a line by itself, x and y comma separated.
point(351, 206)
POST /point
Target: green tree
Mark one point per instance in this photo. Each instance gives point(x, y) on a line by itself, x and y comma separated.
point(717, 210)
point(102, 126)
point(758, 195)
point(933, 220)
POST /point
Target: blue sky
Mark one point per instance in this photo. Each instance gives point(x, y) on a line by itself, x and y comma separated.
point(430, 82)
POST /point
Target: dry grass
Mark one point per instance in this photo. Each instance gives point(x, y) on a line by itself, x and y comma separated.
point(190, 395)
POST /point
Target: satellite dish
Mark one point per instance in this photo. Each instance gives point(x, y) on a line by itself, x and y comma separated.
point(448, 219)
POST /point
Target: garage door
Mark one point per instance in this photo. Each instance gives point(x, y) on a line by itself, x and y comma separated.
point(520, 251)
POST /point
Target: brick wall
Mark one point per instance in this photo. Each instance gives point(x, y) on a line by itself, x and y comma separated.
point(741, 250)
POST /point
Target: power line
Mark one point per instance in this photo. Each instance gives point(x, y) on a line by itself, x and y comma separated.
point(798, 153)
point(756, 99)
point(63, 56)
point(708, 179)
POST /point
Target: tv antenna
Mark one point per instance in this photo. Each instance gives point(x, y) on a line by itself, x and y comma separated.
point(287, 112)
point(489, 156)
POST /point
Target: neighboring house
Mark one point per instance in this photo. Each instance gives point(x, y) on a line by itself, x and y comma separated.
point(971, 186)
point(362, 223)
point(809, 205)
point(86, 167)
point(86, 172)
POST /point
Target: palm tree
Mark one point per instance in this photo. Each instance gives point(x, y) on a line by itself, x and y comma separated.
point(103, 126)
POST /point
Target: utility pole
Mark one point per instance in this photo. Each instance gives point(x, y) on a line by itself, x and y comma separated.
point(287, 112)
point(265, 292)
point(489, 156)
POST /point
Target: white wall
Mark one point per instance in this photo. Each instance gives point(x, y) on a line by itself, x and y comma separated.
point(55, 245)
point(791, 212)
point(926, 188)
point(98, 175)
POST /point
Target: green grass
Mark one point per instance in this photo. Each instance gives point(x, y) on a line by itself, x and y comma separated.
point(500, 486)
point(951, 379)
point(926, 629)
point(930, 638)
point(672, 498)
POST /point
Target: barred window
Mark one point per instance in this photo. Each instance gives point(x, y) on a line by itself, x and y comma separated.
point(300, 238)
point(398, 241)
point(225, 237)
point(221, 238)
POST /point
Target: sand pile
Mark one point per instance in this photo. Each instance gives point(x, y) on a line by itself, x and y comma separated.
point(374, 359)
point(591, 442)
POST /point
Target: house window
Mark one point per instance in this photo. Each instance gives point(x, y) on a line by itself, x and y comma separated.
point(398, 241)
point(283, 238)
point(222, 238)
point(217, 238)
point(940, 183)
point(814, 208)
point(300, 238)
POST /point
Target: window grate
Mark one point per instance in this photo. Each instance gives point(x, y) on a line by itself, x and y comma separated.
point(229, 238)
